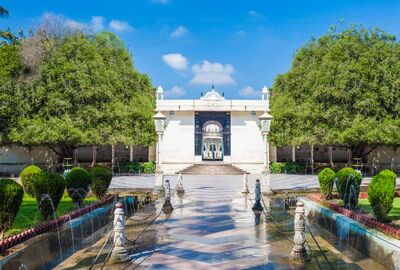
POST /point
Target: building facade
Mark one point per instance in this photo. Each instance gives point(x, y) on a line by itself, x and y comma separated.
point(212, 129)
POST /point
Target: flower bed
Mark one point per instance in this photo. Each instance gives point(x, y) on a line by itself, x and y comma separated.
point(51, 225)
point(389, 229)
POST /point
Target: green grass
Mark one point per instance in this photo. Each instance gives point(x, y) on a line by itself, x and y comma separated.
point(29, 216)
point(394, 213)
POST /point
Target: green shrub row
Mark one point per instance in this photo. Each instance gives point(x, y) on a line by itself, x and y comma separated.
point(11, 194)
point(139, 167)
point(381, 190)
point(48, 188)
point(286, 167)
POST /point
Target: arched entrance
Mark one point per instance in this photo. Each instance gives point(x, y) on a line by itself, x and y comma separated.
point(212, 145)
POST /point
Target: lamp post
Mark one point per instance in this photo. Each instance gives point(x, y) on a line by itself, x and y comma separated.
point(159, 121)
point(265, 120)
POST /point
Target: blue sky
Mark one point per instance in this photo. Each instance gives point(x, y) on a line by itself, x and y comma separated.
point(185, 46)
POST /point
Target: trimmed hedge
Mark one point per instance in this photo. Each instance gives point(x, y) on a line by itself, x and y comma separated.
point(101, 180)
point(11, 194)
point(48, 189)
point(381, 193)
point(78, 182)
point(286, 167)
point(27, 176)
point(325, 179)
point(139, 167)
point(348, 183)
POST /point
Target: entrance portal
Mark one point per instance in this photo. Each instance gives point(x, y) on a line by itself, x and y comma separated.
point(212, 141)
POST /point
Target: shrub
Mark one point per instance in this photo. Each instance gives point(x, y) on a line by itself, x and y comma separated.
point(11, 194)
point(148, 167)
point(294, 167)
point(381, 193)
point(27, 176)
point(131, 167)
point(101, 179)
point(276, 167)
point(78, 181)
point(348, 183)
point(325, 179)
point(48, 189)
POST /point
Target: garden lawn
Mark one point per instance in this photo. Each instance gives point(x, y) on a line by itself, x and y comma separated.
point(394, 213)
point(29, 216)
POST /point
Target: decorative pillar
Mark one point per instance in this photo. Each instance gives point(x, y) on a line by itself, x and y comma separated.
point(179, 189)
point(159, 121)
point(119, 253)
point(257, 207)
point(245, 189)
point(167, 207)
point(299, 253)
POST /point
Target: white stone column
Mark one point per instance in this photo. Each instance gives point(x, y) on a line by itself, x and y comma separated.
point(299, 253)
point(159, 174)
point(245, 189)
point(119, 253)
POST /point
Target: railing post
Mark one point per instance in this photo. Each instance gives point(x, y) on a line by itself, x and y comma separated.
point(167, 207)
point(257, 199)
point(245, 189)
point(299, 253)
point(179, 189)
point(119, 253)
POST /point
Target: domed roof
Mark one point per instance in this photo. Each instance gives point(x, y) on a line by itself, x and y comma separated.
point(212, 127)
point(212, 95)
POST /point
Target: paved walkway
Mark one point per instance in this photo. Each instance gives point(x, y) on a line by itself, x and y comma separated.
point(278, 181)
point(213, 227)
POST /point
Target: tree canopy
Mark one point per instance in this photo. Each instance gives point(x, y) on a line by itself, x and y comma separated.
point(342, 88)
point(73, 89)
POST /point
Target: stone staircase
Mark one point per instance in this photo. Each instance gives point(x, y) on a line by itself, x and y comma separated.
point(212, 168)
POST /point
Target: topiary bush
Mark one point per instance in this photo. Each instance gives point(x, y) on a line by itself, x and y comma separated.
point(101, 179)
point(381, 193)
point(348, 183)
point(48, 189)
point(27, 176)
point(11, 194)
point(78, 182)
point(148, 167)
point(325, 179)
point(276, 167)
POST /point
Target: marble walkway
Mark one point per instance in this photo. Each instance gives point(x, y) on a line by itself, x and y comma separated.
point(213, 227)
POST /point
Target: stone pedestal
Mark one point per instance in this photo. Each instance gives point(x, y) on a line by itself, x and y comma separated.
point(299, 253)
point(245, 189)
point(119, 253)
point(266, 183)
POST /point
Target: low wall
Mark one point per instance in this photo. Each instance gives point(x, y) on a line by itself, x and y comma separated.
point(370, 242)
point(48, 250)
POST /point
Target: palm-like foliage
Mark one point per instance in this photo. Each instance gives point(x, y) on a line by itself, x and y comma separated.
point(3, 12)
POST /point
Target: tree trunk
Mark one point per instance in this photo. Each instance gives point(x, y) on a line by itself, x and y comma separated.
point(293, 153)
point(131, 153)
point(112, 156)
point(75, 156)
point(349, 156)
point(94, 155)
point(330, 154)
point(312, 158)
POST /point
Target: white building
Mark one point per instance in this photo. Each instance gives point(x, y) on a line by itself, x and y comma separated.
point(213, 129)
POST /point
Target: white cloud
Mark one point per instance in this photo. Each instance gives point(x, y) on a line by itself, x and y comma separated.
point(179, 31)
point(120, 26)
point(212, 73)
point(175, 60)
point(248, 91)
point(255, 14)
point(97, 23)
point(175, 91)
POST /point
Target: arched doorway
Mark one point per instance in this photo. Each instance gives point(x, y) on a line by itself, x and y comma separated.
point(212, 145)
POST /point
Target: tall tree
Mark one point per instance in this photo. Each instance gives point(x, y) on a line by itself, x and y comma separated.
point(343, 88)
point(85, 91)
